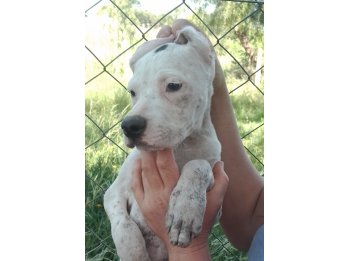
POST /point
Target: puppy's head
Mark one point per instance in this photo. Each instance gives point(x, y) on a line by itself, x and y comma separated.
point(171, 90)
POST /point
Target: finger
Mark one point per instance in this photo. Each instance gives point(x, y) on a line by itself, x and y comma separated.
point(220, 183)
point(220, 175)
point(151, 178)
point(178, 24)
point(167, 168)
point(137, 182)
point(165, 31)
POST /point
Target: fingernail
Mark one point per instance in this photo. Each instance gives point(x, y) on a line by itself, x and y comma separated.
point(221, 163)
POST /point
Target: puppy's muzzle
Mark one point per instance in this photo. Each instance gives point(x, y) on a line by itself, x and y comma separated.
point(133, 126)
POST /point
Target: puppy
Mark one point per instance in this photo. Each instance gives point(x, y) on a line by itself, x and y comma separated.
point(171, 91)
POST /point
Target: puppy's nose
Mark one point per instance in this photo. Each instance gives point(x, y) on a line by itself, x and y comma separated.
point(133, 126)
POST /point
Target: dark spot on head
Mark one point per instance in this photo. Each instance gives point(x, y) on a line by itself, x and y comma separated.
point(161, 48)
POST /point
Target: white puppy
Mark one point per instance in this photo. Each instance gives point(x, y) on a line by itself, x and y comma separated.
point(171, 94)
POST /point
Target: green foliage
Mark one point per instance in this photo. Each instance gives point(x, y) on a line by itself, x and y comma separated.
point(106, 101)
point(106, 106)
point(248, 107)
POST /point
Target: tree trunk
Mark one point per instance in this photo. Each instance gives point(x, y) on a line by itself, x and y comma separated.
point(249, 51)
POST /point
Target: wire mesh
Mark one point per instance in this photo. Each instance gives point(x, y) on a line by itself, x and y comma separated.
point(114, 30)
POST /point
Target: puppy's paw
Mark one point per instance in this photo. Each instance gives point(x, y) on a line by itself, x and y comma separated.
point(185, 215)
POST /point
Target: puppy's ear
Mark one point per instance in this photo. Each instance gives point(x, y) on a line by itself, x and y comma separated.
point(190, 36)
point(147, 47)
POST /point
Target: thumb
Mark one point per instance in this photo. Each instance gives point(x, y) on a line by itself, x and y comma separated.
point(216, 195)
point(220, 178)
point(165, 31)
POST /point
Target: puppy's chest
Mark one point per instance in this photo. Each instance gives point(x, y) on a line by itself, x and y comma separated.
point(204, 149)
point(183, 156)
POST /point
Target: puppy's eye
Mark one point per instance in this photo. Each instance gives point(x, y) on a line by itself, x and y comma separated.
point(173, 87)
point(132, 93)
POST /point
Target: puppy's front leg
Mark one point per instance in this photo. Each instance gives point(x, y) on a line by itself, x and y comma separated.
point(188, 202)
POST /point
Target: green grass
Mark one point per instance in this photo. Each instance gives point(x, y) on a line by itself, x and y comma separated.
point(221, 249)
point(106, 104)
point(106, 107)
point(248, 104)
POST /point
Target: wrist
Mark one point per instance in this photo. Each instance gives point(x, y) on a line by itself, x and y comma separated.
point(197, 250)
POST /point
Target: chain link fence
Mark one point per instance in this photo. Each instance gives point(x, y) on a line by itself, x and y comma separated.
point(114, 29)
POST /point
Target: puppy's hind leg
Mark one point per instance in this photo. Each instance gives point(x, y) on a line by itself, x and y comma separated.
point(128, 239)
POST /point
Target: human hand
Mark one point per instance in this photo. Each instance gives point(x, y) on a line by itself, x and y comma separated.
point(155, 175)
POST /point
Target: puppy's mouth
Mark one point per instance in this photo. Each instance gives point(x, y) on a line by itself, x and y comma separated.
point(141, 145)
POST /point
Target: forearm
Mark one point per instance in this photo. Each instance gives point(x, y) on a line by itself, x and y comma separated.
point(224, 121)
point(242, 200)
point(233, 154)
